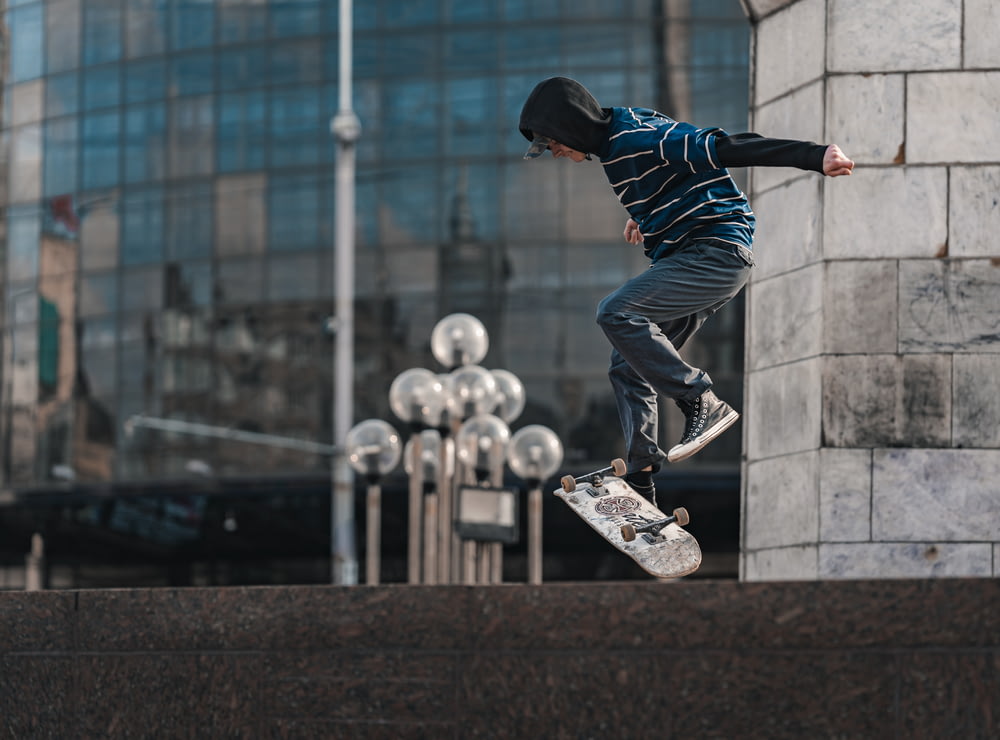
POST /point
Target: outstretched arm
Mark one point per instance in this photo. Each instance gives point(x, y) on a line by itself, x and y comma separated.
point(753, 150)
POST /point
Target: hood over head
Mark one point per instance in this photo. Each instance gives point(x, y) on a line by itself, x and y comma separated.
point(564, 110)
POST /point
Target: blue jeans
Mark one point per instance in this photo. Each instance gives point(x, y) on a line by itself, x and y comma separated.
point(647, 321)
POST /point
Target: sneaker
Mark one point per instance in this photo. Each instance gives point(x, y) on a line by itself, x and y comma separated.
point(707, 418)
point(641, 481)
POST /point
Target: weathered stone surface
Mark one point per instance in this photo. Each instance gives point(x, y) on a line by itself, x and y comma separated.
point(788, 227)
point(859, 306)
point(865, 117)
point(795, 116)
point(789, 48)
point(949, 305)
point(982, 28)
point(976, 413)
point(905, 560)
point(892, 35)
point(886, 212)
point(845, 495)
point(781, 564)
point(786, 315)
point(887, 400)
point(783, 409)
point(936, 495)
point(952, 117)
point(974, 211)
point(782, 502)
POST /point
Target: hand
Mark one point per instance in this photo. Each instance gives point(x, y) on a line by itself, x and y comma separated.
point(835, 162)
point(632, 233)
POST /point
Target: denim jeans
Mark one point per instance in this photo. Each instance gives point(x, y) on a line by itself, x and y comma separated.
point(647, 321)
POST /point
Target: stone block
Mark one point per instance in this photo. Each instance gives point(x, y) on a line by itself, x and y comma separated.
point(982, 27)
point(923, 495)
point(952, 117)
point(974, 211)
point(887, 400)
point(905, 560)
point(781, 507)
point(783, 564)
point(795, 116)
point(976, 410)
point(865, 117)
point(788, 227)
point(949, 306)
point(894, 35)
point(783, 409)
point(845, 495)
point(886, 213)
point(859, 306)
point(786, 317)
point(789, 47)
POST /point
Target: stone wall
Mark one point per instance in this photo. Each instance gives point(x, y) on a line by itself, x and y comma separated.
point(871, 659)
point(872, 431)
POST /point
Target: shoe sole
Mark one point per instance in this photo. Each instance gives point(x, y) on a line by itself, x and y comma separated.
point(693, 447)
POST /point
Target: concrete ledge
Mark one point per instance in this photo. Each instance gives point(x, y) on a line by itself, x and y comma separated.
point(695, 659)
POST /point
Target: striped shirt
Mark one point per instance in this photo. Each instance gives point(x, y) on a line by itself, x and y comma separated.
point(667, 176)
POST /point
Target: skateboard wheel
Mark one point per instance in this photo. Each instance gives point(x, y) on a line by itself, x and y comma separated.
point(628, 532)
point(568, 483)
point(618, 467)
point(682, 516)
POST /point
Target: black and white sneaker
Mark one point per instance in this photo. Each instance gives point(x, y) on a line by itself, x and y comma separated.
point(707, 418)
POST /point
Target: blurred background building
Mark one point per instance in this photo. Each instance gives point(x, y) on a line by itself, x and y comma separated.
point(166, 235)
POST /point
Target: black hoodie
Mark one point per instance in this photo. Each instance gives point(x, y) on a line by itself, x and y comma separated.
point(564, 110)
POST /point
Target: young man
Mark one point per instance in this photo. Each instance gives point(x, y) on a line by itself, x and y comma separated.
point(696, 227)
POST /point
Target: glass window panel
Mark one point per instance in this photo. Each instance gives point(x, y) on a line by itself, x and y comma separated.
point(101, 87)
point(529, 9)
point(531, 199)
point(535, 48)
point(242, 20)
point(25, 101)
point(295, 63)
point(61, 219)
point(243, 131)
point(191, 74)
point(142, 226)
point(25, 169)
point(603, 45)
point(516, 89)
point(471, 50)
point(145, 27)
point(62, 96)
point(99, 224)
point(191, 137)
point(240, 215)
point(145, 80)
point(411, 13)
point(409, 207)
point(141, 369)
point(188, 284)
point(22, 304)
point(471, 125)
point(189, 221)
point(25, 38)
point(244, 67)
point(102, 31)
point(192, 23)
point(145, 142)
point(412, 114)
point(412, 54)
point(98, 294)
point(62, 35)
point(23, 232)
point(142, 289)
point(472, 202)
point(99, 138)
point(240, 281)
point(295, 17)
point(295, 127)
point(293, 278)
point(294, 212)
point(462, 11)
point(60, 156)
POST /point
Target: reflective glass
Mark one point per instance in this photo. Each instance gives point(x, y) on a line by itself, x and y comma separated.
point(295, 63)
point(102, 31)
point(534, 48)
point(99, 144)
point(471, 122)
point(410, 13)
point(471, 51)
point(240, 214)
point(243, 67)
point(242, 20)
point(412, 118)
point(142, 290)
point(293, 278)
point(24, 33)
point(604, 45)
point(142, 226)
point(145, 27)
point(240, 281)
point(191, 137)
point(191, 74)
point(23, 231)
point(25, 103)
point(145, 142)
point(62, 96)
point(192, 23)
point(462, 11)
point(25, 168)
point(189, 221)
point(471, 197)
point(145, 80)
point(412, 55)
point(243, 131)
point(99, 226)
point(295, 17)
point(188, 284)
point(98, 294)
point(296, 127)
point(101, 87)
point(409, 207)
point(61, 149)
point(293, 212)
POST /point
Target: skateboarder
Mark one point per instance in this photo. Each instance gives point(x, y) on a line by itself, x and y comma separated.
point(695, 226)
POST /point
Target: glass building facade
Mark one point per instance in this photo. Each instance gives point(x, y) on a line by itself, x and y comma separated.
point(168, 213)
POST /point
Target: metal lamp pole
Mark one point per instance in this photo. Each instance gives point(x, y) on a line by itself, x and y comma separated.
point(346, 129)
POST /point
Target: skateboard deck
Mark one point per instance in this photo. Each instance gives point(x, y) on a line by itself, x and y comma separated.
point(632, 524)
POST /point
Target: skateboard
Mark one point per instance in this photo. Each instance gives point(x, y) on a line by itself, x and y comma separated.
point(657, 542)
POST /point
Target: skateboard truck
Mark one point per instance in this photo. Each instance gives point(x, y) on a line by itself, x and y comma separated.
point(596, 478)
point(629, 531)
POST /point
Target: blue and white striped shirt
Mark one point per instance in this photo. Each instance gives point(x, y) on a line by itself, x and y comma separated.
point(668, 177)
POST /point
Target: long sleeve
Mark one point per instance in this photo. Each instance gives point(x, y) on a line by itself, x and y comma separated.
point(753, 150)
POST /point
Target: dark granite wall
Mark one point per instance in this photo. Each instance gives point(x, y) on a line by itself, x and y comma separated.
point(853, 659)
